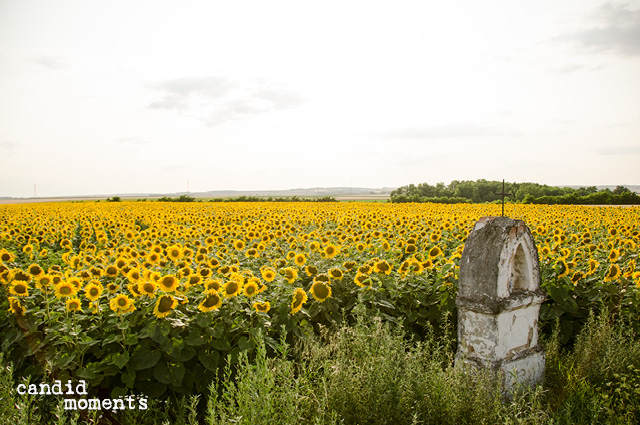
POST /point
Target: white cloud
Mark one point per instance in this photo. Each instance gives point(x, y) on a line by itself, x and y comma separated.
point(615, 29)
point(216, 100)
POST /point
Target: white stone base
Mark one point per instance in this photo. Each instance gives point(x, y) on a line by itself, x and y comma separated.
point(527, 371)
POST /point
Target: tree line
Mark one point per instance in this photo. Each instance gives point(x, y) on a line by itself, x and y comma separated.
point(480, 191)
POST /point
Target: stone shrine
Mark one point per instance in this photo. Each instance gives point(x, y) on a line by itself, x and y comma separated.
point(499, 301)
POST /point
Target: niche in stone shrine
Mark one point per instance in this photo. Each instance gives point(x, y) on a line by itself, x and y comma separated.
point(499, 301)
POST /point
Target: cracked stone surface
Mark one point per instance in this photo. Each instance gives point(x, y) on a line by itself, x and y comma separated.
point(499, 301)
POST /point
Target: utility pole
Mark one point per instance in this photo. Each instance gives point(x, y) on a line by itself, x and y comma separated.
point(34, 190)
point(187, 186)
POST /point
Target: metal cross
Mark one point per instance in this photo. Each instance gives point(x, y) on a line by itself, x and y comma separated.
point(503, 194)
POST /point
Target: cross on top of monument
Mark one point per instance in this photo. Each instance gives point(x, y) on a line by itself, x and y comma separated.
point(503, 194)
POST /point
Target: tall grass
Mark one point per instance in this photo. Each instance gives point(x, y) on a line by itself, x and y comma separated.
point(370, 373)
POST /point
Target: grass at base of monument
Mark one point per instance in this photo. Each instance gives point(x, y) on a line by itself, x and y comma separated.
point(370, 373)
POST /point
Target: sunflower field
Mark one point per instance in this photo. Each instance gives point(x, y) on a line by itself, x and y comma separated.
point(158, 297)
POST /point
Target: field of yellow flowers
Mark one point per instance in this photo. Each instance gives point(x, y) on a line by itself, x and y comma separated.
point(154, 297)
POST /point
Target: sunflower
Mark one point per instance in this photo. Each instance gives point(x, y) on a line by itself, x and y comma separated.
point(44, 281)
point(417, 267)
point(593, 266)
point(153, 258)
point(410, 249)
point(84, 275)
point(630, 244)
point(148, 288)
point(268, 274)
point(168, 283)
point(262, 307)
point(212, 285)
point(250, 288)
point(96, 271)
point(121, 263)
point(165, 304)
point(382, 266)
point(434, 252)
point(134, 288)
point(631, 267)
point(205, 272)
point(194, 280)
point(348, 265)
point(214, 263)
point(35, 270)
point(213, 301)
point(614, 255)
point(577, 277)
point(94, 307)
point(321, 291)
point(19, 288)
point(322, 277)
point(6, 256)
point(335, 274)
point(362, 280)
point(403, 270)
point(300, 259)
point(134, 275)
point(21, 276)
point(65, 289)
point(238, 245)
point(73, 304)
point(290, 274)
point(311, 270)
point(365, 269)
point(613, 273)
point(330, 251)
point(562, 268)
point(299, 298)
point(174, 253)
point(121, 304)
point(93, 290)
point(76, 281)
point(111, 271)
point(15, 307)
point(232, 288)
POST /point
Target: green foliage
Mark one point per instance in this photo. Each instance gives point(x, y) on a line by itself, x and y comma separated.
point(181, 198)
point(371, 372)
point(114, 199)
point(489, 191)
point(599, 379)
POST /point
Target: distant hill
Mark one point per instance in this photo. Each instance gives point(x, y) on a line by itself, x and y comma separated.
point(299, 192)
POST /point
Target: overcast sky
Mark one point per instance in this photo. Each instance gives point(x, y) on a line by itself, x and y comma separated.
point(104, 97)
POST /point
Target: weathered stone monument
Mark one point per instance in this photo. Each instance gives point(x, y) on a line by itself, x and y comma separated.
point(499, 300)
